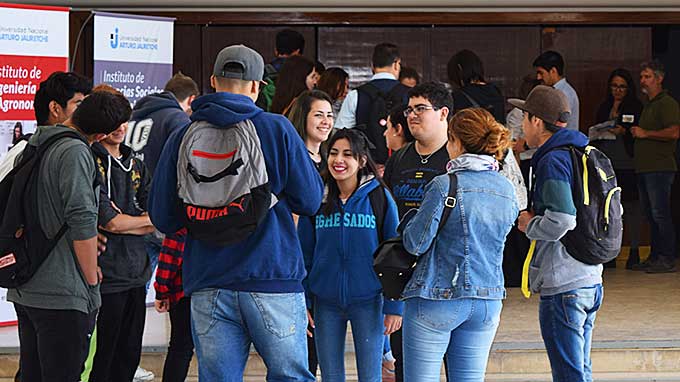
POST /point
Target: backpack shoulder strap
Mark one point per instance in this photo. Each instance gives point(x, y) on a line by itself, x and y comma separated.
point(473, 102)
point(450, 201)
point(379, 206)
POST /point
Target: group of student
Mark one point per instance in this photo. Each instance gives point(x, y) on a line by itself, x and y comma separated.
point(290, 286)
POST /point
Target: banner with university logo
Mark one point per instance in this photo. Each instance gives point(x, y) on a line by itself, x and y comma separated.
point(33, 44)
point(133, 53)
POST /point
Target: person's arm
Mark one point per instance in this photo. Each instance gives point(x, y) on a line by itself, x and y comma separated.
point(303, 188)
point(169, 264)
point(421, 230)
point(163, 197)
point(559, 216)
point(670, 133)
point(347, 117)
point(128, 224)
point(307, 235)
point(86, 253)
point(76, 177)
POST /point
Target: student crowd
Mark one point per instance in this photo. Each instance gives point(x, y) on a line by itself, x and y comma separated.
point(319, 160)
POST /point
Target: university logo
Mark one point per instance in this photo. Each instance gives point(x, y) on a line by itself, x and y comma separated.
point(114, 39)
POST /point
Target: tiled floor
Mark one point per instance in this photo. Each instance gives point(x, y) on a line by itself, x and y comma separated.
point(637, 307)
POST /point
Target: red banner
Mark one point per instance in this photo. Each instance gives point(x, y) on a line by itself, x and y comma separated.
point(20, 78)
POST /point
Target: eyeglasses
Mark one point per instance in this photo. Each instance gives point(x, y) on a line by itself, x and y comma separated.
point(420, 109)
point(619, 87)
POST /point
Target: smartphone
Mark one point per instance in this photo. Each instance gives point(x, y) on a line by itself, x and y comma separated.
point(628, 120)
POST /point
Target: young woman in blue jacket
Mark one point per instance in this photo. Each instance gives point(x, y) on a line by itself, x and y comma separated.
point(338, 245)
point(453, 300)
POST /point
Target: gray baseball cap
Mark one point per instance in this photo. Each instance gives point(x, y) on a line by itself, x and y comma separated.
point(251, 61)
point(546, 103)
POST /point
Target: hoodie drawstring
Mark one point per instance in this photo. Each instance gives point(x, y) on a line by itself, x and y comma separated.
point(108, 172)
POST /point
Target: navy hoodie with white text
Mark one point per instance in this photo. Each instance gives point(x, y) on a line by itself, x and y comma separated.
point(154, 118)
point(339, 250)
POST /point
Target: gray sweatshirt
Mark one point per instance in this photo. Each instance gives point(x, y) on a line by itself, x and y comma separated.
point(67, 174)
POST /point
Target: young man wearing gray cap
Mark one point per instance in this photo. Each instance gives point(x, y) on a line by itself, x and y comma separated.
point(571, 291)
point(248, 291)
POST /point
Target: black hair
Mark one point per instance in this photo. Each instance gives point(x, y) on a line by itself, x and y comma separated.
point(291, 82)
point(397, 117)
point(631, 94)
point(436, 93)
point(101, 112)
point(288, 41)
point(465, 67)
point(319, 67)
point(548, 60)
point(548, 126)
point(409, 72)
point(385, 54)
point(360, 146)
point(59, 87)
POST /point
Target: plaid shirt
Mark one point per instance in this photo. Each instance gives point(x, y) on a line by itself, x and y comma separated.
point(169, 274)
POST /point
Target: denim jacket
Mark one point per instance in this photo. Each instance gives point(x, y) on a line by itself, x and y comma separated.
point(465, 259)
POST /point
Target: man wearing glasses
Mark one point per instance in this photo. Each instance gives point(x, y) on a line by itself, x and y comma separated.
point(408, 170)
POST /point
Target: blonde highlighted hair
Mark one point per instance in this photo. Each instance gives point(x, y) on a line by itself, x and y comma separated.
point(479, 133)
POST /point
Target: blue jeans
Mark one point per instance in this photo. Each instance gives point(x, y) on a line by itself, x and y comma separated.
point(567, 321)
point(224, 323)
point(366, 319)
point(153, 251)
point(655, 202)
point(461, 329)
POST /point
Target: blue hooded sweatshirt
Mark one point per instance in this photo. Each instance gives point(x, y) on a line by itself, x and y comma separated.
point(154, 118)
point(552, 269)
point(270, 260)
point(339, 250)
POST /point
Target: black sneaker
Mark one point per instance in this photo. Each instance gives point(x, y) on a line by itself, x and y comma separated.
point(661, 267)
point(643, 266)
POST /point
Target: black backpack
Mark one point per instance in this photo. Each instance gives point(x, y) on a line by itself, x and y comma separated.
point(375, 125)
point(599, 214)
point(393, 265)
point(24, 246)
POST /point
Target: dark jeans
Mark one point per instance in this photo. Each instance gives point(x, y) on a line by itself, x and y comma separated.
point(181, 347)
point(655, 202)
point(396, 339)
point(53, 343)
point(120, 326)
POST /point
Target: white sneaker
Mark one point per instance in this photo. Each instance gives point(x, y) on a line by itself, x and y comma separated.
point(142, 375)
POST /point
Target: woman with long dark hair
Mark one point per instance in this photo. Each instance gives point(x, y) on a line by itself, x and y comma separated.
point(297, 75)
point(338, 245)
point(623, 107)
point(312, 115)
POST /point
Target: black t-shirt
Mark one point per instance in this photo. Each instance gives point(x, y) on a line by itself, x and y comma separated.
point(407, 179)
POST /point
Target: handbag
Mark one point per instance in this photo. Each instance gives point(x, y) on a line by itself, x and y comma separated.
point(393, 265)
